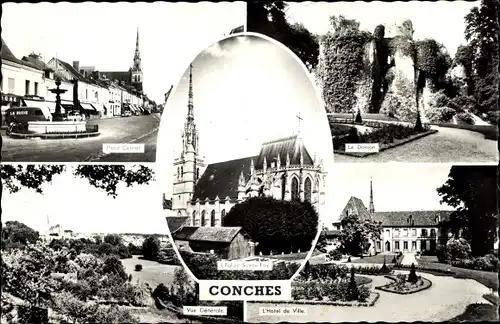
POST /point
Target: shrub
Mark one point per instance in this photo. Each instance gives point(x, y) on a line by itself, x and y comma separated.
point(335, 254)
point(358, 117)
point(465, 118)
point(138, 267)
point(349, 259)
point(394, 260)
point(352, 290)
point(412, 277)
point(453, 250)
point(440, 114)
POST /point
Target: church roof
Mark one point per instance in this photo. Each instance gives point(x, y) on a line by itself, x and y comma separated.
point(176, 222)
point(222, 179)
point(207, 234)
point(418, 217)
point(124, 76)
point(292, 145)
point(357, 207)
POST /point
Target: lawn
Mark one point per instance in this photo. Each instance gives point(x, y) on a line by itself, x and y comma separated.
point(378, 259)
point(489, 279)
point(489, 131)
point(292, 256)
point(478, 313)
point(152, 273)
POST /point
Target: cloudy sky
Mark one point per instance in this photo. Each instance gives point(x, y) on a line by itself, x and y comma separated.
point(441, 20)
point(396, 186)
point(103, 34)
point(247, 90)
point(84, 208)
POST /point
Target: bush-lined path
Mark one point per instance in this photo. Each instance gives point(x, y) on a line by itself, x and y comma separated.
point(447, 145)
point(447, 298)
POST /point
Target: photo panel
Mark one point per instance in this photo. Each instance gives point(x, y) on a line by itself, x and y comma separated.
point(403, 235)
point(90, 86)
point(244, 158)
point(406, 84)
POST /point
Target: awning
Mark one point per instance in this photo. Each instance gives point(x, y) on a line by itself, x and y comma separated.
point(87, 107)
point(98, 107)
point(132, 107)
point(43, 105)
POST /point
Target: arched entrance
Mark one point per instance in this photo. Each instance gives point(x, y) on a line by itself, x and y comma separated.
point(388, 246)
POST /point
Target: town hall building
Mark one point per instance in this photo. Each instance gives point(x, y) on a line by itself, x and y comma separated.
point(203, 194)
point(402, 231)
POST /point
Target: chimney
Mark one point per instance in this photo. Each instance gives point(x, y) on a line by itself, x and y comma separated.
point(76, 65)
point(95, 75)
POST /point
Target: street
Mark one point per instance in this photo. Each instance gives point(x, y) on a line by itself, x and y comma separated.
point(120, 130)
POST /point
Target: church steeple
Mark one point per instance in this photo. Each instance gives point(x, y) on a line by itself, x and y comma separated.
point(137, 54)
point(372, 206)
point(136, 70)
point(190, 132)
point(190, 115)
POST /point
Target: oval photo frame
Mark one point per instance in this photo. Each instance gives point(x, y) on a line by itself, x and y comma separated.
point(218, 167)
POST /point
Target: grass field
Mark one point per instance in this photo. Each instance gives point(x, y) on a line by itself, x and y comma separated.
point(478, 313)
point(489, 279)
point(377, 259)
point(489, 131)
point(292, 256)
point(152, 272)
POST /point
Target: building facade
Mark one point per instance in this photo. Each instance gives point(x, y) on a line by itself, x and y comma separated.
point(402, 231)
point(206, 193)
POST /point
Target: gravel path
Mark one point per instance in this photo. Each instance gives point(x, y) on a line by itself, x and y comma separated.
point(447, 298)
point(447, 145)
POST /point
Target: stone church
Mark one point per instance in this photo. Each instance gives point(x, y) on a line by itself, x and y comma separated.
point(203, 194)
point(402, 231)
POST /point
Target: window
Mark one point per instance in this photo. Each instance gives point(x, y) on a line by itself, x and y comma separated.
point(193, 220)
point(424, 233)
point(283, 187)
point(396, 245)
point(27, 87)
point(414, 232)
point(182, 171)
point(212, 218)
point(295, 189)
point(223, 215)
point(413, 245)
point(179, 213)
point(36, 89)
point(387, 233)
point(405, 245)
point(86, 93)
point(397, 233)
point(197, 173)
point(378, 245)
point(433, 232)
point(405, 232)
point(12, 85)
point(307, 190)
point(203, 221)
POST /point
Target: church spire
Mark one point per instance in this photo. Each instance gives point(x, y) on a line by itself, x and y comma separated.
point(372, 206)
point(137, 54)
point(190, 115)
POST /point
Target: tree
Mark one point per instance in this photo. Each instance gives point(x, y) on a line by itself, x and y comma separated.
point(114, 266)
point(472, 190)
point(269, 18)
point(322, 242)
point(482, 32)
point(276, 224)
point(113, 239)
point(104, 177)
point(16, 234)
point(151, 248)
point(358, 117)
point(352, 290)
point(356, 234)
point(418, 123)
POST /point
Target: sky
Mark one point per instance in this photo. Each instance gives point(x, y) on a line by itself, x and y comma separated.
point(396, 186)
point(104, 34)
point(440, 20)
point(86, 209)
point(247, 90)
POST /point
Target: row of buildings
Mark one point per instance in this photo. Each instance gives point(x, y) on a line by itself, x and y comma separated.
point(101, 94)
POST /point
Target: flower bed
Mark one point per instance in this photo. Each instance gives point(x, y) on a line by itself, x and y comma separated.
point(369, 302)
point(387, 135)
point(332, 290)
point(403, 287)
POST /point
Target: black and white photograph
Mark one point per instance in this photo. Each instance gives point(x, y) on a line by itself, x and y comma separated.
point(84, 255)
point(413, 81)
point(243, 159)
point(407, 242)
point(90, 85)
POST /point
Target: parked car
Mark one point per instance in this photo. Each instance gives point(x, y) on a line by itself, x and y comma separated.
point(127, 113)
point(75, 116)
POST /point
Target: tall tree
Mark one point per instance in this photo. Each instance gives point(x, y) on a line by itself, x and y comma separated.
point(16, 234)
point(269, 18)
point(356, 234)
point(104, 177)
point(472, 190)
point(482, 31)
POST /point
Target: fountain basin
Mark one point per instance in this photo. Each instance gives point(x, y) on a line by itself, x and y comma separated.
point(57, 127)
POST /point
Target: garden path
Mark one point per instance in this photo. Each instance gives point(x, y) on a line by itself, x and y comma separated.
point(447, 145)
point(447, 298)
point(408, 259)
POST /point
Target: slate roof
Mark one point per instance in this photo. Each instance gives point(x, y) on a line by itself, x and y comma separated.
point(34, 63)
point(176, 222)
point(207, 234)
point(7, 54)
point(292, 145)
point(418, 217)
point(124, 76)
point(356, 206)
point(222, 179)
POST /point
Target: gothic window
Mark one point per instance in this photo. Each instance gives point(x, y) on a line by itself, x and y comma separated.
point(222, 216)
point(307, 190)
point(194, 218)
point(203, 220)
point(179, 213)
point(283, 187)
point(182, 171)
point(212, 218)
point(295, 189)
